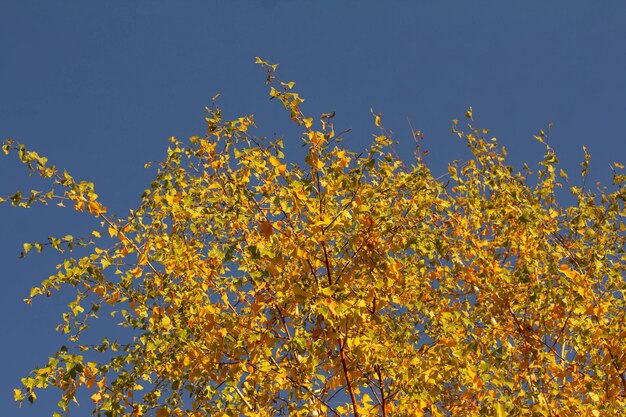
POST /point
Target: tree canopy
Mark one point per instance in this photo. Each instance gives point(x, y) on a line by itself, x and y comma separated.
point(350, 284)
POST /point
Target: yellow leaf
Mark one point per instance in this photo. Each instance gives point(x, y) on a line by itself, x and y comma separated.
point(17, 394)
point(275, 162)
point(99, 290)
point(96, 208)
point(331, 304)
point(377, 120)
point(90, 381)
point(114, 297)
point(344, 160)
point(97, 397)
point(327, 291)
point(568, 272)
point(383, 140)
point(316, 138)
point(469, 113)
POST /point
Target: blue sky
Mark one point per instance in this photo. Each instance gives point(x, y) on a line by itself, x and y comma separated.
point(99, 87)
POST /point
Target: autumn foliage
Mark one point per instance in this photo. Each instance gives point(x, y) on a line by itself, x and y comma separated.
point(351, 284)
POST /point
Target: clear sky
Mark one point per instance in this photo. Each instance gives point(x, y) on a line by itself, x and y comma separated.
point(99, 86)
